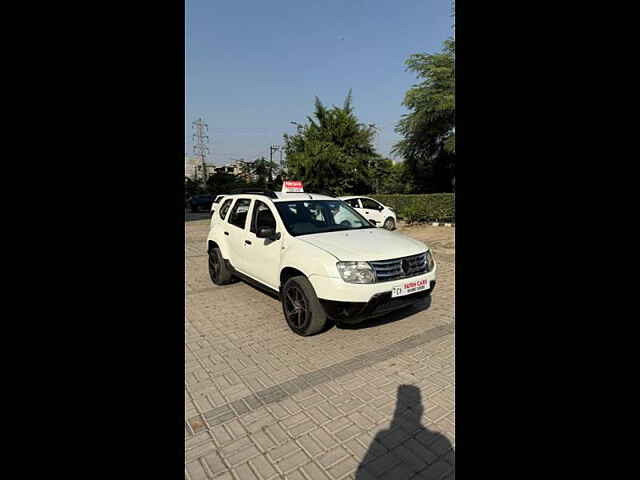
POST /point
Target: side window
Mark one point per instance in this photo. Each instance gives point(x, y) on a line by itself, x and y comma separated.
point(225, 207)
point(370, 204)
point(238, 215)
point(353, 202)
point(262, 217)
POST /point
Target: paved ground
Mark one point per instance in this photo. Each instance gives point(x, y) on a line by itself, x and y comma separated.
point(361, 403)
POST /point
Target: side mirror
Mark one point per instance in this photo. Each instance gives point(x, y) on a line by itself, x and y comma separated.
point(268, 232)
point(373, 222)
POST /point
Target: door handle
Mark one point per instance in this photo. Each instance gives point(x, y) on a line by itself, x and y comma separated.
point(247, 242)
point(226, 233)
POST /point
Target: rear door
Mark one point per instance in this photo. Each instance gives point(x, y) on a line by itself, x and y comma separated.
point(235, 231)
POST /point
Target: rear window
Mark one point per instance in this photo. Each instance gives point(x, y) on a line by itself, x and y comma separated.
point(225, 208)
point(238, 215)
point(370, 204)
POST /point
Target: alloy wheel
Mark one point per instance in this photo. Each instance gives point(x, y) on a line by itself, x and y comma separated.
point(295, 305)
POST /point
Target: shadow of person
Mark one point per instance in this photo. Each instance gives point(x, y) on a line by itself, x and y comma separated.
point(408, 450)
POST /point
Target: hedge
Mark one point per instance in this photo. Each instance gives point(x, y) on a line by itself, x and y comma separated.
point(433, 207)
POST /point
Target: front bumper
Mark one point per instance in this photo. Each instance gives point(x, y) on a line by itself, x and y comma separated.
point(379, 304)
point(336, 289)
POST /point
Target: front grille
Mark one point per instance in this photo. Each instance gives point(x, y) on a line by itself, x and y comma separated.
point(404, 267)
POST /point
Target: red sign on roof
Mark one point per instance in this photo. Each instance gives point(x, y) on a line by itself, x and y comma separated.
point(290, 186)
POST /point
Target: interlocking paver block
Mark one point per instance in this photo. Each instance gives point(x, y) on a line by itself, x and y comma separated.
point(332, 457)
point(437, 471)
point(264, 442)
point(196, 471)
point(294, 420)
point(292, 462)
point(325, 440)
point(277, 434)
point(302, 428)
point(337, 424)
point(215, 463)
point(309, 445)
point(263, 467)
point(420, 451)
point(285, 450)
point(342, 468)
point(244, 472)
point(383, 464)
point(314, 472)
point(347, 433)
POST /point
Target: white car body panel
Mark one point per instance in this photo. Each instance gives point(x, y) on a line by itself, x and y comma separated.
point(365, 245)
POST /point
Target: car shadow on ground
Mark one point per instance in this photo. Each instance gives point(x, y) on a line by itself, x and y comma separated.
point(407, 449)
point(391, 317)
point(394, 316)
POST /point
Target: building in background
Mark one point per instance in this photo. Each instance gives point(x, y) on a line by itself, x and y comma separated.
point(190, 167)
point(235, 169)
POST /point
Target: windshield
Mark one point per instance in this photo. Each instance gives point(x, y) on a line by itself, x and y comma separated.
point(317, 216)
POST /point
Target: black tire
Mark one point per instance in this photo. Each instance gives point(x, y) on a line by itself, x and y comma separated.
point(301, 307)
point(218, 271)
point(389, 224)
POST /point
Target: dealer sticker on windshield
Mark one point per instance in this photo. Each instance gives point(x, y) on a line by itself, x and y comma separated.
point(409, 288)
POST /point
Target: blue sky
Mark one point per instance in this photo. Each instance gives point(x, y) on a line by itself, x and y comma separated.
point(252, 67)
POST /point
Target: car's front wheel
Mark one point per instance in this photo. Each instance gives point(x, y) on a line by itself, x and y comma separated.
point(301, 307)
point(389, 224)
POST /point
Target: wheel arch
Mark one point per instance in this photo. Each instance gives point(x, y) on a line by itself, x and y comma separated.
point(211, 243)
point(287, 272)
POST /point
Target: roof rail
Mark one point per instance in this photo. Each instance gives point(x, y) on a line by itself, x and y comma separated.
point(249, 191)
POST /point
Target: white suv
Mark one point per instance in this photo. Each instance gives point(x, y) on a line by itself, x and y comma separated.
point(374, 211)
point(319, 255)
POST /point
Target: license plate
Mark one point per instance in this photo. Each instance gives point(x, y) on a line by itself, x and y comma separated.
point(409, 288)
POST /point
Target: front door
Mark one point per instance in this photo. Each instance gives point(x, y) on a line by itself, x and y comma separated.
point(262, 255)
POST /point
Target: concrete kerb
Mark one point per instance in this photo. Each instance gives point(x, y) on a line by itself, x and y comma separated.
point(402, 223)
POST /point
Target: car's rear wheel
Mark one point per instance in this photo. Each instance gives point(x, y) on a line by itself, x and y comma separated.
point(218, 271)
point(389, 224)
point(301, 307)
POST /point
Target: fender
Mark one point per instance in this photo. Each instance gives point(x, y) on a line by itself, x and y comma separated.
point(216, 236)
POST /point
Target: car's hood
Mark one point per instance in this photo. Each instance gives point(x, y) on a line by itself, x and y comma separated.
point(365, 245)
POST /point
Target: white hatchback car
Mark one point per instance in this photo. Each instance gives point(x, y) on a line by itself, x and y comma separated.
point(374, 211)
point(319, 256)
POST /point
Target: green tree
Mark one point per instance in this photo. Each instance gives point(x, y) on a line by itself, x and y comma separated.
point(193, 187)
point(332, 152)
point(262, 170)
point(221, 183)
point(428, 146)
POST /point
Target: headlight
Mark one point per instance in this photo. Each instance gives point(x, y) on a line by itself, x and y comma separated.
point(356, 272)
point(430, 261)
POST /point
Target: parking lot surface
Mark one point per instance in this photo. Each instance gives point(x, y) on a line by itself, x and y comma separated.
point(371, 401)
